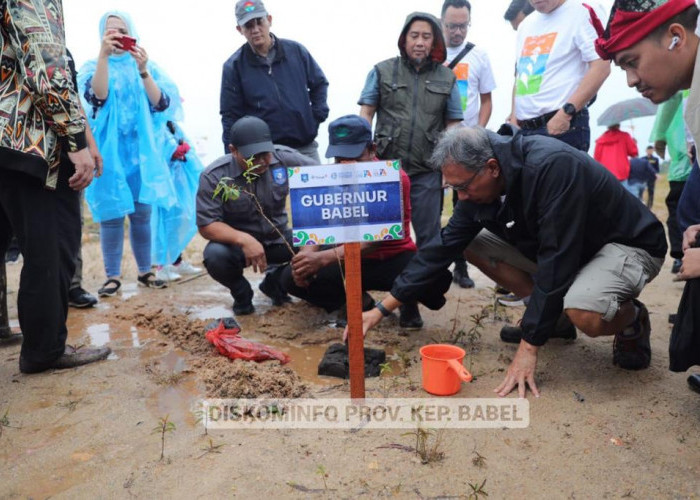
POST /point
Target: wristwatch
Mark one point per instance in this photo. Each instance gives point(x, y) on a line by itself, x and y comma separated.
point(569, 109)
point(385, 312)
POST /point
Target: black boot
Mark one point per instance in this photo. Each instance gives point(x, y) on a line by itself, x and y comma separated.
point(460, 275)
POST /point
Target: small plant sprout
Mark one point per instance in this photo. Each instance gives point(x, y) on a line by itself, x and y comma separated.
point(200, 416)
point(473, 335)
point(427, 452)
point(211, 448)
point(164, 426)
point(321, 471)
point(384, 371)
point(479, 460)
point(477, 491)
point(5, 422)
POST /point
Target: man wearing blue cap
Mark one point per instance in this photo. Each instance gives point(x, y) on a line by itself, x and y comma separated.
point(315, 274)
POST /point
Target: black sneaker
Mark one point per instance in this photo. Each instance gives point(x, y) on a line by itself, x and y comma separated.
point(7, 336)
point(676, 267)
point(564, 329)
point(409, 317)
point(271, 287)
point(243, 308)
point(631, 348)
point(460, 275)
point(78, 297)
point(694, 382)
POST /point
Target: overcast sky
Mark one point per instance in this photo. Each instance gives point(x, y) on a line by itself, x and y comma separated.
point(191, 40)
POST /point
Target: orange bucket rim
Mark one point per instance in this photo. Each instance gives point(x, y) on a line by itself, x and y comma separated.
point(458, 351)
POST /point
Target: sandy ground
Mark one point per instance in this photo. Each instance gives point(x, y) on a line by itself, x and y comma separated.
point(596, 432)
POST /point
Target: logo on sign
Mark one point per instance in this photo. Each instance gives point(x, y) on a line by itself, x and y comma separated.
point(304, 177)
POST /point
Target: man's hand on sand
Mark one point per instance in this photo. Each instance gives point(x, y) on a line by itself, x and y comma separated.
point(369, 320)
point(520, 372)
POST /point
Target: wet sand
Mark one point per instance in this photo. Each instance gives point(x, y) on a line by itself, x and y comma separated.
point(597, 431)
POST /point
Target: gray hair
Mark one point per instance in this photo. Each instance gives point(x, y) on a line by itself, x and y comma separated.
point(467, 146)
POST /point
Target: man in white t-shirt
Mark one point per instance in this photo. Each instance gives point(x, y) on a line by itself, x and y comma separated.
point(475, 82)
point(557, 72)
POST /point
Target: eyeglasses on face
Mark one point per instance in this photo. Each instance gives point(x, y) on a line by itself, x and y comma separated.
point(465, 185)
point(456, 27)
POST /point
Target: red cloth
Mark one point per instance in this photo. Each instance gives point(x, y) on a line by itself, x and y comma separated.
point(627, 28)
point(391, 248)
point(613, 150)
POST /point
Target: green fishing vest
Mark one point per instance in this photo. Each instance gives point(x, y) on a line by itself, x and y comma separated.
point(411, 112)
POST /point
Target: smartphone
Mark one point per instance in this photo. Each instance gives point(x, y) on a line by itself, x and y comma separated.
point(127, 42)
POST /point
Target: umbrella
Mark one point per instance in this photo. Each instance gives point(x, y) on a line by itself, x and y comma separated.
point(626, 110)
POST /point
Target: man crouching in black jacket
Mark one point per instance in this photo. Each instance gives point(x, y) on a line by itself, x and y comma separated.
point(545, 221)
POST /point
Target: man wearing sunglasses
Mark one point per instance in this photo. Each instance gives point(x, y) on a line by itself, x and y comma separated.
point(274, 79)
point(549, 222)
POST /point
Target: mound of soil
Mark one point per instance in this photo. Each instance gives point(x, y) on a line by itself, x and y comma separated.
point(222, 377)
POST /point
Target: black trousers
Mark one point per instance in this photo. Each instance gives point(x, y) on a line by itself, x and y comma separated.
point(327, 290)
point(47, 226)
point(675, 235)
point(225, 263)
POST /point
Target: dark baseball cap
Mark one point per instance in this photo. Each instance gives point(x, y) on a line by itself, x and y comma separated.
point(348, 136)
point(249, 9)
point(250, 135)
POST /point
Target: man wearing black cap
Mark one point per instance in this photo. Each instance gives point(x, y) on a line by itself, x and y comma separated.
point(274, 79)
point(315, 274)
point(239, 234)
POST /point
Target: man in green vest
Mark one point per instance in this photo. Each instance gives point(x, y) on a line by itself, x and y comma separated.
point(415, 99)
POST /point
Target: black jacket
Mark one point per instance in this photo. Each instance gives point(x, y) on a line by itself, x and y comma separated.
point(560, 208)
point(289, 95)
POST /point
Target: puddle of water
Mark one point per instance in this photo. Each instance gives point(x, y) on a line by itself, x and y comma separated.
point(99, 334)
point(116, 334)
point(213, 312)
point(175, 401)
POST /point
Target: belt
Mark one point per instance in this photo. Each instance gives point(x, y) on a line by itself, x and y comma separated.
point(537, 122)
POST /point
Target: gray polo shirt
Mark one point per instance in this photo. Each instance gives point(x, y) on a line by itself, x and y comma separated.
point(271, 190)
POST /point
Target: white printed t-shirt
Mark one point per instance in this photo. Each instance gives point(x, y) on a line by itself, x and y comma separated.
point(474, 77)
point(553, 52)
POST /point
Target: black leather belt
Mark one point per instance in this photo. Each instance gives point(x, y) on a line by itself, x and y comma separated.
point(537, 122)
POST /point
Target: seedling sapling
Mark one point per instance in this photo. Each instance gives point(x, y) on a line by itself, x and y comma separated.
point(164, 425)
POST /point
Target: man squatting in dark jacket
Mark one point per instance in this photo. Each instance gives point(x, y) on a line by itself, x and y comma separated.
point(544, 220)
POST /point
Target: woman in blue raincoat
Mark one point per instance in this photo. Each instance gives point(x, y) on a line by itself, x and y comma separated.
point(128, 100)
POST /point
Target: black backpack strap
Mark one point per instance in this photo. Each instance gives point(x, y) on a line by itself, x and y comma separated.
point(469, 46)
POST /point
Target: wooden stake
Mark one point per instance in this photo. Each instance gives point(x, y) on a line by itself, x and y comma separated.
point(356, 341)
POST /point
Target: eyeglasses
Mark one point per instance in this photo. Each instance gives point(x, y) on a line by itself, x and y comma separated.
point(465, 185)
point(258, 21)
point(457, 27)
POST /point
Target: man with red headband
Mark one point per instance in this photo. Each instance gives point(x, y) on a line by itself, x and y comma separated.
point(641, 37)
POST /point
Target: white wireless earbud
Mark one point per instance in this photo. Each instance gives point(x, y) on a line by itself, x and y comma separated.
point(674, 42)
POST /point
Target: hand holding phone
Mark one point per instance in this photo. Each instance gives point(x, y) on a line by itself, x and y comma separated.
point(127, 42)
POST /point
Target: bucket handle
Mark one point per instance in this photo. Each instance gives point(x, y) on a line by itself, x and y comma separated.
point(460, 370)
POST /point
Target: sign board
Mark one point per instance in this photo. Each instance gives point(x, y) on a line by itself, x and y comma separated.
point(346, 202)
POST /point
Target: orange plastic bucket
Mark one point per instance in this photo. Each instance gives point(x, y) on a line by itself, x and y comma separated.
point(443, 372)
